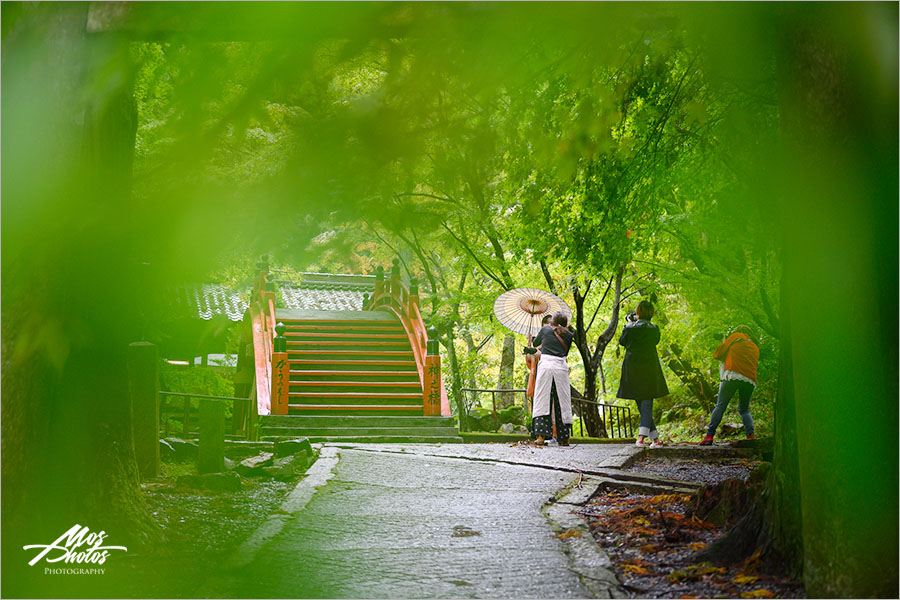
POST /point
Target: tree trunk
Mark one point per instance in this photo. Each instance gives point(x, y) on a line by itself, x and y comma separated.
point(838, 210)
point(595, 425)
point(507, 367)
point(456, 379)
point(67, 303)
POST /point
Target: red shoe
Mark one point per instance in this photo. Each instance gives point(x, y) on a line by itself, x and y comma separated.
point(707, 441)
point(751, 437)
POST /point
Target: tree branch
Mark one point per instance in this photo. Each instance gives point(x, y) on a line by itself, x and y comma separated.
point(485, 268)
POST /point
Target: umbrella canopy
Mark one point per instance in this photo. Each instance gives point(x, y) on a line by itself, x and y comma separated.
point(522, 309)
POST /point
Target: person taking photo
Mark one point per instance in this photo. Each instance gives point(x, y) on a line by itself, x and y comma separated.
point(739, 353)
point(642, 377)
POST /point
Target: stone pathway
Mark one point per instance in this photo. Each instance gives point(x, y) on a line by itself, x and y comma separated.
point(427, 521)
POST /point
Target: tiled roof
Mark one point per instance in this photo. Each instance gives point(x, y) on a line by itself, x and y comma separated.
point(326, 291)
point(316, 298)
point(205, 301)
point(317, 291)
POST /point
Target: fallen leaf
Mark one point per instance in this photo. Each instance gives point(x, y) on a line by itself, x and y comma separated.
point(697, 546)
point(694, 572)
point(649, 548)
point(569, 533)
point(760, 593)
point(636, 569)
point(745, 578)
point(687, 596)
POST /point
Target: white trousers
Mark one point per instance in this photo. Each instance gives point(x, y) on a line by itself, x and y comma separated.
point(552, 369)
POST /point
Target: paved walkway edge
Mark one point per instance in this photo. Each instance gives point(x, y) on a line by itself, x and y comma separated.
point(586, 559)
point(316, 476)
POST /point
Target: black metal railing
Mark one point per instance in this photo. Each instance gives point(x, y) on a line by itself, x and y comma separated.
point(242, 427)
point(615, 418)
point(472, 394)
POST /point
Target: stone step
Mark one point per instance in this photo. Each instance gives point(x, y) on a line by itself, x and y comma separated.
point(355, 387)
point(383, 439)
point(330, 432)
point(646, 487)
point(353, 421)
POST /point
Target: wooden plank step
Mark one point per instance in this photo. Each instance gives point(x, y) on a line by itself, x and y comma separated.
point(358, 395)
point(352, 363)
point(353, 352)
point(330, 316)
point(355, 407)
point(389, 321)
point(404, 384)
point(328, 335)
point(340, 326)
point(312, 373)
point(349, 343)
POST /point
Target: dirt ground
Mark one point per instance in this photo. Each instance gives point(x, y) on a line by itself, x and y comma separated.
point(201, 529)
point(652, 540)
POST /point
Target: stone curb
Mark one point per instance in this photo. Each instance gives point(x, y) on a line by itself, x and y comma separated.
point(316, 476)
point(587, 560)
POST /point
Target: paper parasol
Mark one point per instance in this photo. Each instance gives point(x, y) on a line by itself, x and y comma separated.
point(522, 309)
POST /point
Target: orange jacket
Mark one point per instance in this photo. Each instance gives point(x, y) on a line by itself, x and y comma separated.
point(740, 354)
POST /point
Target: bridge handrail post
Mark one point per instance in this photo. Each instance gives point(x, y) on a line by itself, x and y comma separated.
point(431, 391)
point(281, 373)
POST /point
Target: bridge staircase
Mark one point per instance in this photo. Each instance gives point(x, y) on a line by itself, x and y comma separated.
point(366, 375)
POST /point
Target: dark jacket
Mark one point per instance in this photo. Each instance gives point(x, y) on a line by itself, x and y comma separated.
point(642, 376)
point(549, 343)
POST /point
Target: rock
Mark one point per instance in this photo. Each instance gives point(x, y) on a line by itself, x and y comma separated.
point(253, 466)
point(182, 450)
point(290, 447)
point(283, 470)
point(522, 429)
point(220, 482)
point(729, 429)
point(480, 419)
point(166, 451)
point(507, 428)
point(512, 414)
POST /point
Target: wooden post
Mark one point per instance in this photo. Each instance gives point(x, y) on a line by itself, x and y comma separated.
point(413, 296)
point(187, 415)
point(211, 455)
point(379, 282)
point(431, 392)
point(395, 278)
point(143, 387)
point(281, 373)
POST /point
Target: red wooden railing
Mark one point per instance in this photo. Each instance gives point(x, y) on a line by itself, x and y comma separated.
point(393, 296)
point(262, 313)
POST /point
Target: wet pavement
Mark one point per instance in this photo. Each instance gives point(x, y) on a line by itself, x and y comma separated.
point(425, 521)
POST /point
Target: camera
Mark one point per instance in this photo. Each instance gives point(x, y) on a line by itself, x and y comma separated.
point(631, 317)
